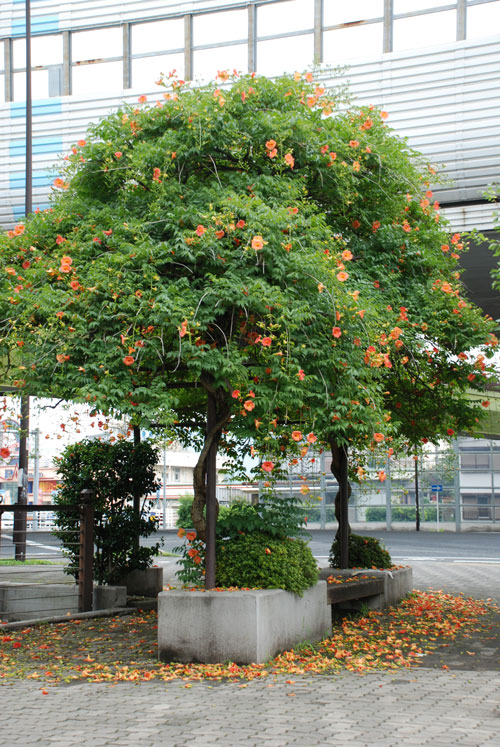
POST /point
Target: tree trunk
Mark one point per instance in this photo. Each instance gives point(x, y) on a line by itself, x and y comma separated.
point(222, 413)
point(417, 498)
point(339, 470)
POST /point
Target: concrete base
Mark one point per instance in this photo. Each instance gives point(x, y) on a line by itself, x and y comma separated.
point(239, 626)
point(146, 583)
point(397, 583)
point(109, 597)
point(25, 601)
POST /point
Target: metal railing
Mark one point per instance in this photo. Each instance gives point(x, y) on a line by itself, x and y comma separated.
point(37, 582)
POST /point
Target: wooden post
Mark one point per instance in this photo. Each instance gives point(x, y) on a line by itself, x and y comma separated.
point(86, 560)
point(344, 511)
point(211, 511)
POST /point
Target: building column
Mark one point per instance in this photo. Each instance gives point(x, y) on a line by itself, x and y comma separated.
point(188, 47)
point(318, 31)
point(458, 507)
point(252, 38)
point(127, 64)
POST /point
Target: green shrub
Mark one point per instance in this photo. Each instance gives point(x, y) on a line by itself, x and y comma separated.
point(118, 473)
point(184, 520)
point(277, 516)
point(401, 513)
point(364, 552)
point(375, 513)
point(259, 560)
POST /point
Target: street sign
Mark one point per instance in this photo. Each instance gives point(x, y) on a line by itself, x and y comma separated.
point(436, 488)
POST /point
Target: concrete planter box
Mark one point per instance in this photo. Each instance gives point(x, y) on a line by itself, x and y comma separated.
point(109, 597)
point(143, 583)
point(31, 601)
point(397, 583)
point(239, 626)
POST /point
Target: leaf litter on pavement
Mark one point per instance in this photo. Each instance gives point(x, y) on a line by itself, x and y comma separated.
point(118, 649)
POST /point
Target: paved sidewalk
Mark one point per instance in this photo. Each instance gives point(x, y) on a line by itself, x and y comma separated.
point(410, 707)
point(423, 707)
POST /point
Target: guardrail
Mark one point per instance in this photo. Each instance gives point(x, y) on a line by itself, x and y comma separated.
point(18, 543)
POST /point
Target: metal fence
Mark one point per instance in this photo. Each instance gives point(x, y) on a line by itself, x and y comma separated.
point(36, 581)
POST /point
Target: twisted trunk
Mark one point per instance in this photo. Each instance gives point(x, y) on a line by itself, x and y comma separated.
point(339, 470)
point(212, 436)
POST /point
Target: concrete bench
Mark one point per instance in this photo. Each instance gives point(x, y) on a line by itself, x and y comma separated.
point(369, 587)
point(349, 591)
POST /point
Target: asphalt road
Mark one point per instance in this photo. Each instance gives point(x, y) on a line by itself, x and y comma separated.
point(403, 546)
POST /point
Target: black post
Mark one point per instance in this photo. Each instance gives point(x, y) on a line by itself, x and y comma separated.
point(19, 528)
point(29, 118)
point(137, 498)
point(211, 515)
point(86, 557)
point(344, 510)
point(417, 497)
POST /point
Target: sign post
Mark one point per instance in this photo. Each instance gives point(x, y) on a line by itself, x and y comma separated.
point(437, 490)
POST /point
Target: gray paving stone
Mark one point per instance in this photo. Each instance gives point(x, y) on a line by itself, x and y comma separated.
point(414, 708)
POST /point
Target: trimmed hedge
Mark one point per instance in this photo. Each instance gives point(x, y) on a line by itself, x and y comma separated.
point(258, 560)
point(401, 513)
point(364, 552)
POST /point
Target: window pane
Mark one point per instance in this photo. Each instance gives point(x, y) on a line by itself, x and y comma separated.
point(97, 78)
point(39, 85)
point(279, 18)
point(47, 50)
point(2, 88)
point(146, 71)
point(354, 41)
point(482, 461)
point(467, 461)
point(338, 11)
point(406, 6)
point(285, 55)
point(483, 20)
point(158, 36)
point(97, 44)
point(207, 62)
point(2, 56)
point(212, 28)
point(425, 31)
point(19, 53)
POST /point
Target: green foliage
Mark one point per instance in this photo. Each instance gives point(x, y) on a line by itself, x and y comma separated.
point(278, 518)
point(191, 559)
point(184, 519)
point(117, 473)
point(259, 560)
point(364, 552)
point(401, 513)
point(276, 515)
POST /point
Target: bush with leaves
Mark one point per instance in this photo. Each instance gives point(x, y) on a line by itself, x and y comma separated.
point(364, 552)
point(184, 520)
point(117, 473)
point(259, 560)
point(400, 513)
point(276, 518)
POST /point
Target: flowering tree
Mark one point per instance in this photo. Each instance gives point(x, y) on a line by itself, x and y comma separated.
point(250, 249)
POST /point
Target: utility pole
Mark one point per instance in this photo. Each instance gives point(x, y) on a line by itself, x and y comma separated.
point(20, 519)
point(36, 474)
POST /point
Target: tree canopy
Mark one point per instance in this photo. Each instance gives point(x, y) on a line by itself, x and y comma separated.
point(261, 242)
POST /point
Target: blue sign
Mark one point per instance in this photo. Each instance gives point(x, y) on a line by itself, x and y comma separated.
point(436, 488)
